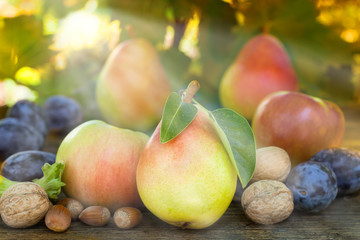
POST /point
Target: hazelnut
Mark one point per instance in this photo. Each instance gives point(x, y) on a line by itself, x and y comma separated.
point(58, 218)
point(272, 163)
point(23, 205)
point(267, 202)
point(95, 216)
point(127, 217)
point(75, 207)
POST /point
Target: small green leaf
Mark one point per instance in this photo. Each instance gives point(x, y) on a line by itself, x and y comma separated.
point(177, 116)
point(238, 139)
point(51, 181)
point(5, 184)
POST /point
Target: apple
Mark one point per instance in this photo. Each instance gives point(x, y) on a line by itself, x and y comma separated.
point(300, 124)
point(100, 164)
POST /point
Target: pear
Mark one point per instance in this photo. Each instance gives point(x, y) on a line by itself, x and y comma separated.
point(261, 67)
point(188, 181)
point(133, 86)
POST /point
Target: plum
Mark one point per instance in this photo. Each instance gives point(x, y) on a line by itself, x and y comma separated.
point(61, 113)
point(346, 165)
point(17, 136)
point(26, 165)
point(313, 185)
point(30, 113)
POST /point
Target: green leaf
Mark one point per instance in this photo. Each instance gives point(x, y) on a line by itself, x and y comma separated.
point(51, 181)
point(177, 116)
point(5, 184)
point(22, 43)
point(238, 139)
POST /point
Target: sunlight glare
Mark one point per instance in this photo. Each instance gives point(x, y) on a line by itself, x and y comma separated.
point(350, 35)
point(188, 44)
point(80, 29)
point(14, 92)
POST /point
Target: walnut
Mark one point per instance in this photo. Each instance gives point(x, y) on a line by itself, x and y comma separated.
point(267, 202)
point(23, 205)
point(272, 163)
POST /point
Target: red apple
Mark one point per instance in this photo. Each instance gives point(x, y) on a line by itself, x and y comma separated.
point(300, 124)
point(100, 164)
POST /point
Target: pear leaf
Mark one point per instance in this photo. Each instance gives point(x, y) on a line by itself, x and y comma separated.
point(177, 115)
point(238, 139)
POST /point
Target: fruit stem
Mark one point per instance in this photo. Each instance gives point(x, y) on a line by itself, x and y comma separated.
point(130, 30)
point(266, 28)
point(191, 90)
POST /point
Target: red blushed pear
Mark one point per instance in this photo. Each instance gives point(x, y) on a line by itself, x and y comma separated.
point(100, 164)
point(300, 124)
point(261, 67)
point(188, 181)
point(133, 86)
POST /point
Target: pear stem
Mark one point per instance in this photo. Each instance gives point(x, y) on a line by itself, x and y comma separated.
point(266, 28)
point(129, 28)
point(191, 90)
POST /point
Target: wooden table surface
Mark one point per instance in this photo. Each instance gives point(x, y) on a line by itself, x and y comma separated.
point(339, 221)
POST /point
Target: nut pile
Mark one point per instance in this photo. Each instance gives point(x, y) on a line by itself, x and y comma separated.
point(25, 204)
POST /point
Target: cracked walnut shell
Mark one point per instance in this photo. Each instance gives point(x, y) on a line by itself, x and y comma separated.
point(267, 202)
point(23, 205)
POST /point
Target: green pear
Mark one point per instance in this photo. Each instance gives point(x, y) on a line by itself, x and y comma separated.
point(100, 164)
point(261, 67)
point(188, 181)
point(133, 86)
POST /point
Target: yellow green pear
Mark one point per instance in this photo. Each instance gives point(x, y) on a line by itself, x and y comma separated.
point(133, 86)
point(188, 181)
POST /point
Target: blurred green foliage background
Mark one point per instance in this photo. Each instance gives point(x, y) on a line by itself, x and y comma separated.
point(59, 46)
